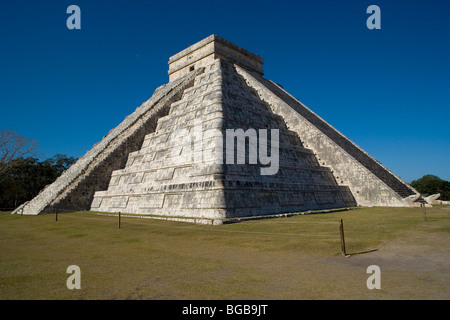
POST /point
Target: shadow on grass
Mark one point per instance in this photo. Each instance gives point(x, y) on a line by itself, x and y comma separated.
point(362, 252)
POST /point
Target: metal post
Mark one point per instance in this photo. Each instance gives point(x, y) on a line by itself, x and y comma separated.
point(119, 219)
point(341, 229)
point(424, 212)
point(56, 214)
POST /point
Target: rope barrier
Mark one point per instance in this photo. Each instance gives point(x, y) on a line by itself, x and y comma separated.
point(203, 227)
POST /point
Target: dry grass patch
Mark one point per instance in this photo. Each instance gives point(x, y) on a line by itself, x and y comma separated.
point(285, 258)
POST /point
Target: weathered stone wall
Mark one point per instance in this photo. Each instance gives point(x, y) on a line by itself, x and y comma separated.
point(154, 181)
point(204, 53)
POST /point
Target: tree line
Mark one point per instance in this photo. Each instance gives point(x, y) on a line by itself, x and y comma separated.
point(430, 184)
point(22, 174)
point(26, 177)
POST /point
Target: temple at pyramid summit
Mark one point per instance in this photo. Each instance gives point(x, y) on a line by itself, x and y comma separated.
point(220, 142)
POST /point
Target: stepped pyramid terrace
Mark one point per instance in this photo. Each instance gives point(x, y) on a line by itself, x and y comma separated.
point(218, 142)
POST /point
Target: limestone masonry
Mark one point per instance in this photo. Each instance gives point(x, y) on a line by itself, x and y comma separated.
point(169, 158)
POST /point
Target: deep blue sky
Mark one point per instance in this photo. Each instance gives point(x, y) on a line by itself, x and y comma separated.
point(387, 90)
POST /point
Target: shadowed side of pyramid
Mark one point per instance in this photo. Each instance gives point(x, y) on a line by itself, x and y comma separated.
point(299, 182)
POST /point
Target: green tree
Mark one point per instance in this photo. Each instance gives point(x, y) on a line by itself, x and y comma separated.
point(59, 163)
point(24, 178)
point(430, 184)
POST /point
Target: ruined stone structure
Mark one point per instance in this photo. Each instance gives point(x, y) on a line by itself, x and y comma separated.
point(168, 159)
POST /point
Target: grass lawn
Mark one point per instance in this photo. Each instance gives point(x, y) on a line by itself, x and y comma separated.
point(282, 258)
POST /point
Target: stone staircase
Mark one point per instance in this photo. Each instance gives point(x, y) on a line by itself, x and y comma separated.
point(75, 188)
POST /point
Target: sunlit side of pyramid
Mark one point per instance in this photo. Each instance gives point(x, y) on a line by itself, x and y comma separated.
point(171, 157)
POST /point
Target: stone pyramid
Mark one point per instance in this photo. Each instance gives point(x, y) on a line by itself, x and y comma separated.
point(219, 142)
